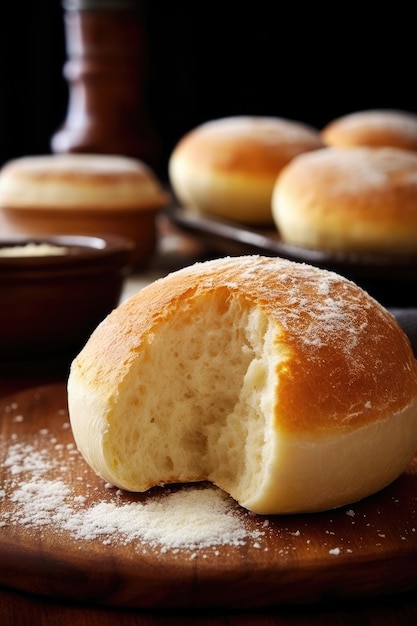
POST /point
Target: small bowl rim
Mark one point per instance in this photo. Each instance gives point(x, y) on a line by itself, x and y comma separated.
point(80, 247)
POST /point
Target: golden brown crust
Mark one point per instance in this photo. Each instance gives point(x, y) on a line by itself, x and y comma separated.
point(81, 181)
point(227, 167)
point(349, 362)
point(361, 199)
point(248, 145)
point(375, 127)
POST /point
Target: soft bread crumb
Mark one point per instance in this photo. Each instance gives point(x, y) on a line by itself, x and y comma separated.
point(198, 425)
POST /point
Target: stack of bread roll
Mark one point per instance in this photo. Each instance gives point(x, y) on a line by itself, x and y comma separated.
point(350, 187)
point(357, 195)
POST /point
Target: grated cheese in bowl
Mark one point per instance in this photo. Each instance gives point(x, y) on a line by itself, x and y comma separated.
point(33, 249)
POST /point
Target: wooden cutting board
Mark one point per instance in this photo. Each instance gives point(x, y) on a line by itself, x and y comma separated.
point(361, 550)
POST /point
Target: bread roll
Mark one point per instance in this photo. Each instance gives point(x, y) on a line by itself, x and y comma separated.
point(373, 128)
point(358, 200)
point(82, 180)
point(287, 386)
point(227, 167)
point(89, 194)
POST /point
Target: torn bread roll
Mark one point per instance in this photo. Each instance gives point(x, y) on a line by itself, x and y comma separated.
point(285, 385)
point(227, 167)
point(373, 128)
point(358, 200)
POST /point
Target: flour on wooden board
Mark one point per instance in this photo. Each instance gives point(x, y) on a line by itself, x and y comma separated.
point(194, 517)
point(46, 484)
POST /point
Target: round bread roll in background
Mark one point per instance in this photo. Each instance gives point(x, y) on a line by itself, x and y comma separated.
point(88, 194)
point(357, 200)
point(374, 128)
point(227, 167)
point(286, 385)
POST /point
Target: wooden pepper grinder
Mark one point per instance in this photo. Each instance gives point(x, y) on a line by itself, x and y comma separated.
point(106, 73)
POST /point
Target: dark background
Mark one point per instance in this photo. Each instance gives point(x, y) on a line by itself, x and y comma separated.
point(213, 59)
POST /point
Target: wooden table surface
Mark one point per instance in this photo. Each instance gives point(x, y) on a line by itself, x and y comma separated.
point(20, 608)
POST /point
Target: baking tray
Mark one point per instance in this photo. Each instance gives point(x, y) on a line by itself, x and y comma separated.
point(390, 279)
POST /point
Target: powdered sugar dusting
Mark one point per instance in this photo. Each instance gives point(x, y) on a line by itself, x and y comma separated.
point(314, 306)
point(362, 169)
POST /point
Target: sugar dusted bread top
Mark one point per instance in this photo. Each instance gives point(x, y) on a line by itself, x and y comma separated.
point(356, 200)
point(287, 386)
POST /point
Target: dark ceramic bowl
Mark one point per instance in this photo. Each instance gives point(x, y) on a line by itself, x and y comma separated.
point(51, 302)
